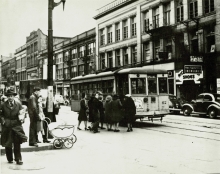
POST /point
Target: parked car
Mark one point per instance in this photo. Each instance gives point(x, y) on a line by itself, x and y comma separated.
point(175, 104)
point(205, 104)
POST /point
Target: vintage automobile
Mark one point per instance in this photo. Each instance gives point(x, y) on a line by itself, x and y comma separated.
point(205, 104)
point(175, 104)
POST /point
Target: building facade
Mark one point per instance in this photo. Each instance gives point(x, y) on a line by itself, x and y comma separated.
point(180, 37)
point(72, 58)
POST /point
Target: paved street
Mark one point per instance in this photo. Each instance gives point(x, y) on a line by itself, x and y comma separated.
point(178, 145)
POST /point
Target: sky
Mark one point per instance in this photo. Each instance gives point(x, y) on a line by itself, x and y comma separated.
point(18, 18)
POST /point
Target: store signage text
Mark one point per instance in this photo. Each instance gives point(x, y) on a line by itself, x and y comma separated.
point(181, 77)
point(196, 59)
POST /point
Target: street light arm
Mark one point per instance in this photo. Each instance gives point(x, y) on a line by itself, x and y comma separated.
point(56, 4)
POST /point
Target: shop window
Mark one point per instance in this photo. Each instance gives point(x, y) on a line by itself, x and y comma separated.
point(152, 84)
point(138, 85)
point(162, 85)
point(209, 6)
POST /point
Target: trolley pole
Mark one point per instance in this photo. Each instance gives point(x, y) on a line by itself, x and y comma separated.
point(51, 5)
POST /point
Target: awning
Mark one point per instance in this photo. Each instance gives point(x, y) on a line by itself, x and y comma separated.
point(142, 70)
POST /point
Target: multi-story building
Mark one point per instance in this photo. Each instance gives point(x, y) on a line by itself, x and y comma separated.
point(72, 58)
point(178, 36)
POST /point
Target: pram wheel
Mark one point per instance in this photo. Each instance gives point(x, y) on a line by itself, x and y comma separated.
point(73, 138)
point(68, 143)
point(58, 143)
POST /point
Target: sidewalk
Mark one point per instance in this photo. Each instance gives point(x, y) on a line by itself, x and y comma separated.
point(65, 115)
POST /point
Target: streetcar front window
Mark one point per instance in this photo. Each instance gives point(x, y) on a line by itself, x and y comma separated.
point(152, 84)
point(138, 86)
point(162, 85)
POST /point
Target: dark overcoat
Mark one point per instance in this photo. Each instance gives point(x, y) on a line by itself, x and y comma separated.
point(129, 109)
point(33, 109)
point(82, 112)
point(12, 123)
point(116, 111)
point(108, 112)
point(90, 105)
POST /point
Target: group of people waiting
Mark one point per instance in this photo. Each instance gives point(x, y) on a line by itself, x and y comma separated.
point(12, 116)
point(109, 112)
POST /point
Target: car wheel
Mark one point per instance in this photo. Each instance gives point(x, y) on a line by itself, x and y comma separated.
point(187, 111)
point(212, 113)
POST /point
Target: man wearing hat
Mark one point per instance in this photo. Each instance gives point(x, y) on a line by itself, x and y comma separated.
point(33, 112)
point(10, 126)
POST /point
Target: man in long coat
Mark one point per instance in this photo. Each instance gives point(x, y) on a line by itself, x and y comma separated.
point(12, 131)
point(33, 112)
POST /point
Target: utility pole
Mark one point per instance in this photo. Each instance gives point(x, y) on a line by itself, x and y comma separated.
point(51, 5)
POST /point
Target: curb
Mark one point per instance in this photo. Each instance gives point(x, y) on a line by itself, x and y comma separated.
point(32, 149)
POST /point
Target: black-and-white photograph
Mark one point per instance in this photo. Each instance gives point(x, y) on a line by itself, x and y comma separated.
point(110, 86)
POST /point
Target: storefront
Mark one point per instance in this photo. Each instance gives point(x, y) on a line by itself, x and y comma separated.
point(189, 82)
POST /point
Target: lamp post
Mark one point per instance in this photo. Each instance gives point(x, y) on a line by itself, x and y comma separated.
point(51, 5)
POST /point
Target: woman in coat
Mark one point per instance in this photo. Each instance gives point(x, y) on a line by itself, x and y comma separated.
point(82, 113)
point(108, 112)
point(129, 111)
point(116, 114)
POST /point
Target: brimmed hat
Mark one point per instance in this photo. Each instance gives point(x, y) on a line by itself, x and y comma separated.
point(10, 92)
point(37, 89)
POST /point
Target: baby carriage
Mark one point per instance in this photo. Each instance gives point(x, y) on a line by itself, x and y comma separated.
point(63, 134)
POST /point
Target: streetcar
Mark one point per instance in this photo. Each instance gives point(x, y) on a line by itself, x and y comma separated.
point(147, 86)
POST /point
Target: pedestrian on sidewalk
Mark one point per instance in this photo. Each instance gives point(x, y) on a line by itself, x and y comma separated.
point(129, 111)
point(117, 112)
point(33, 111)
point(102, 113)
point(40, 128)
point(96, 112)
point(90, 107)
point(108, 112)
point(82, 113)
point(12, 131)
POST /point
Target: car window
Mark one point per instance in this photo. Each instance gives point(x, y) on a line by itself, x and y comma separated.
point(207, 98)
point(199, 98)
point(217, 97)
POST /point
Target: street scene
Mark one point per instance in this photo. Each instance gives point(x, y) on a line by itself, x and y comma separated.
point(110, 86)
point(179, 144)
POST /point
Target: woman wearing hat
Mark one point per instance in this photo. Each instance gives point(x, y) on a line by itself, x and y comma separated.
point(12, 131)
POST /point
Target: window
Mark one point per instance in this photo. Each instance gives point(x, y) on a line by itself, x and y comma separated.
point(207, 98)
point(66, 73)
point(171, 86)
point(133, 27)
point(146, 21)
point(109, 34)
point(152, 84)
point(82, 51)
point(81, 70)
point(167, 14)
point(73, 71)
point(138, 85)
point(147, 52)
point(162, 84)
point(156, 49)
point(18, 63)
point(125, 29)
point(117, 28)
point(168, 48)
point(179, 13)
point(91, 48)
point(102, 61)
point(117, 57)
point(125, 56)
point(35, 46)
point(193, 9)
point(66, 57)
point(110, 59)
point(102, 37)
point(134, 54)
point(74, 53)
point(156, 17)
point(209, 6)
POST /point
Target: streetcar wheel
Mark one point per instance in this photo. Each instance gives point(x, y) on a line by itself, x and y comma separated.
point(68, 143)
point(187, 111)
point(212, 113)
point(58, 144)
point(73, 138)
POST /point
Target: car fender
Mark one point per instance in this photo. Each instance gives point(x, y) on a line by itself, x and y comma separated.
point(188, 105)
point(214, 106)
